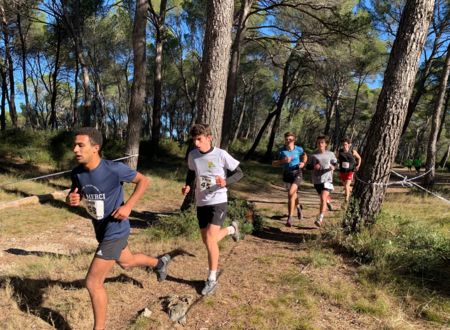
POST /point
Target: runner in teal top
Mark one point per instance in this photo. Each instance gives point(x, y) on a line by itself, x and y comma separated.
point(293, 158)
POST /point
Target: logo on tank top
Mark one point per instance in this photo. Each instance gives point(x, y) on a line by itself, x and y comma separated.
point(94, 201)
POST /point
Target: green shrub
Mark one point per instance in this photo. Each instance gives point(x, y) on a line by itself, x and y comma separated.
point(185, 224)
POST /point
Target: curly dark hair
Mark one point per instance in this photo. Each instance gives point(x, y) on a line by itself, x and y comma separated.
point(95, 137)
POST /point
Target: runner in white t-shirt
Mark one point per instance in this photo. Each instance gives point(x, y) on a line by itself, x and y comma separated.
point(211, 169)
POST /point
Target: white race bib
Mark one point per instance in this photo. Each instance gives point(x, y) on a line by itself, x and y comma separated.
point(206, 182)
point(345, 165)
point(328, 185)
point(96, 208)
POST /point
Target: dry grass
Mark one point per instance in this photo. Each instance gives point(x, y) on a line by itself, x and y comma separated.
point(273, 282)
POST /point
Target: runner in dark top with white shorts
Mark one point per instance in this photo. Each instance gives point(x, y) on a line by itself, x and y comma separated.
point(97, 184)
point(293, 158)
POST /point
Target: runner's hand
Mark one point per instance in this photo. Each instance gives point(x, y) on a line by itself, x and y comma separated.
point(73, 199)
point(287, 160)
point(122, 212)
point(317, 167)
point(221, 182)
point(185, 190)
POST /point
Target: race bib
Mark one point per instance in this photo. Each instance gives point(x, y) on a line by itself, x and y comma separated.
point(345, 165)
point(206, 182)
point(328, 185)
point(96, 208)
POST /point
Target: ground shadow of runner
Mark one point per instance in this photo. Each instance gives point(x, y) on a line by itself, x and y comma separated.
point(21, 252)
point(29, 294)
point(276, 234)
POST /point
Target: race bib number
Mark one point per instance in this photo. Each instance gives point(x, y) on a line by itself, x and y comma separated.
point(206, 182)
point(96, 208)
point(328, 185)
point(345, 165)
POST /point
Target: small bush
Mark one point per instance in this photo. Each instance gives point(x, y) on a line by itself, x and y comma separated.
point(185, 224)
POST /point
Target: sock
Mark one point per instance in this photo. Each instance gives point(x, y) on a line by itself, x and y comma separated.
point(231, 230)
point(159, 264)
point(321, 216)
point(212, 276)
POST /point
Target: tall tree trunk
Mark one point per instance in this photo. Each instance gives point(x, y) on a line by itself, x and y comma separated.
point(387, 122)
point(138, 87)
point(53, 119)
point(435, 123)
point(3, 99)
point(75, 97)
point(233, 72)
point(10, 65)
point(444, 113)
point(266, 123)
point(159, 22)
point(23, 58)
point(216, 57)
point(419, 88)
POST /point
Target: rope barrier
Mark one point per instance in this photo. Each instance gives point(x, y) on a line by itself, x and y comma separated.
point(424, 189)
point(405, 182)
point(56, 174)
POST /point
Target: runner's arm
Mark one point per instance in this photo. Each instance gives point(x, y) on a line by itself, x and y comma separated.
point(234, 176)
point(141, 182)
point(358, 159)
point(304, 160)
point(190, 177)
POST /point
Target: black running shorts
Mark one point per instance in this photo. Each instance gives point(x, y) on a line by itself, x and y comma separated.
point(111, 249)
point(211, 214)
point(321, 187)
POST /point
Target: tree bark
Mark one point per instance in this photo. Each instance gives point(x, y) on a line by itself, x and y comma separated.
point(3, 99)
point(158, 22)
point(23, 59)
point(10, 65)
point(216, 57)
point(53, 119)
point(387, 122)
point(233, 73)
point(137, 101)
point(419, 89)
point(435, 123)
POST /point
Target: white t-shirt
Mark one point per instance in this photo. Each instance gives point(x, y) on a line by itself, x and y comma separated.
point(207, 166)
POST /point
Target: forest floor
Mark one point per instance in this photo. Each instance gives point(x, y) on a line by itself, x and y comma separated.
point(281, 278)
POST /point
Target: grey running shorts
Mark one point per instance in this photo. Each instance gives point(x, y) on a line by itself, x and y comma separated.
point(111, 249)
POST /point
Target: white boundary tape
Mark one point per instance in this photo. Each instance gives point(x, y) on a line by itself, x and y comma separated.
point(406, 182)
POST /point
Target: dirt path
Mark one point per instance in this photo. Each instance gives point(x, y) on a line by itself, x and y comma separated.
point(263, 284)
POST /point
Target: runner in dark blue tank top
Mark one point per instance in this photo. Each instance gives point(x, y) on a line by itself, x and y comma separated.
point(97, 184)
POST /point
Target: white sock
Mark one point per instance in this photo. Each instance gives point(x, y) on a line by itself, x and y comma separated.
point(231, 230)
point(212, 276)
point(321, 216)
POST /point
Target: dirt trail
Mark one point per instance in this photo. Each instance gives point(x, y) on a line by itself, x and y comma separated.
point(261, 283)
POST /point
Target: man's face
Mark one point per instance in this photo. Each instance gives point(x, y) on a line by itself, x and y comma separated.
point(83, 149)
point(322, 144)
point(346, 146)
point(202, 142)
point(289, 140)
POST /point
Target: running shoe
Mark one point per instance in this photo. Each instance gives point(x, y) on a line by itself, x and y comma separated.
point(162, 272)
point(318, 222)
point(299, 212)
point(330, 206)
point(289, 222)
point(210, 287)
point(236, 236)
